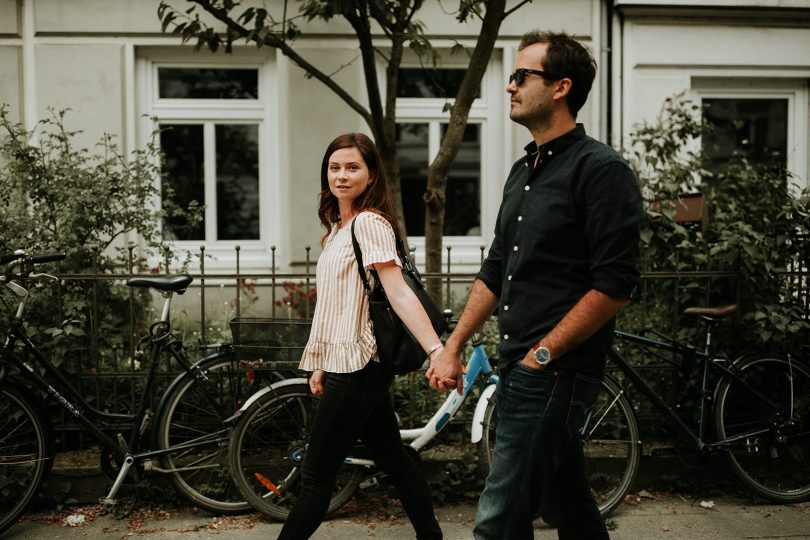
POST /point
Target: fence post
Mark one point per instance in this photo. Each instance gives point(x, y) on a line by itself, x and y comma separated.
point(447, 294)
point(130, 265)
point(273, 279)
point(306, 286)
point(202, 295)
point(238, 284)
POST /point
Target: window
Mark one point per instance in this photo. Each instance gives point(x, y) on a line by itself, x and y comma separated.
point(214, 133)
point(231, 192)
point(463, 210)
point(755, 128)
point(423, 96)
point(764, 120)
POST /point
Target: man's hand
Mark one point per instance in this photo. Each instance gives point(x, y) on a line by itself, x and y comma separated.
point(316, 382)
point(446, 371)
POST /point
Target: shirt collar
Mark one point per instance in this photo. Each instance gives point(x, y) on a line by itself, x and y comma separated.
point(558, 145)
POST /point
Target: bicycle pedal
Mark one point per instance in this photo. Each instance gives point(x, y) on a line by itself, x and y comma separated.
point(372, 481)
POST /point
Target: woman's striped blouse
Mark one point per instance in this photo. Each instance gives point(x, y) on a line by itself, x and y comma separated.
point(342, 337)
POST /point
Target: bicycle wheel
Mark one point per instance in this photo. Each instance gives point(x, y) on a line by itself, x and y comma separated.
point(486, 446)
point(612, 447)
point(267, 449)
point(610, 442)
point(26, 452)
point(191, 415)
point(765, 418)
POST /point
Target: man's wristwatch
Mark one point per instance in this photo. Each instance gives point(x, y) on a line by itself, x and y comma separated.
point(542, 356)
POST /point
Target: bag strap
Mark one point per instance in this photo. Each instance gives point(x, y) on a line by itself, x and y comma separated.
point(359, 256)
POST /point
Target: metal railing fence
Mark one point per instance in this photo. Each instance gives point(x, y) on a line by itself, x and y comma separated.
point(111, 378)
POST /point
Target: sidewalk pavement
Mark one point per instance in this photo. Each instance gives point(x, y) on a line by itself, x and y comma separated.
point(644, 516)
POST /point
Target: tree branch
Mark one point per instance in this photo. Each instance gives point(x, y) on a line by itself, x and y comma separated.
point(271, 40)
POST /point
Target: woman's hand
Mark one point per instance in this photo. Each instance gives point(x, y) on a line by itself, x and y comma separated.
point(316, 382)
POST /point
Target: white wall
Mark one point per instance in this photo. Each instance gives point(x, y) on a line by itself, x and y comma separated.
point(667, 53)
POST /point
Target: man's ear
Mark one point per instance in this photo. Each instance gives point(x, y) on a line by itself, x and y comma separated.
point(562, 88)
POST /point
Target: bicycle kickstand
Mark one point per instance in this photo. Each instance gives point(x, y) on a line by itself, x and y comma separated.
point(110, 500)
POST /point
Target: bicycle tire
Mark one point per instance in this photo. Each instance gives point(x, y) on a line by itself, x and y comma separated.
point(774, 463)
point(26, 452)
point(193, 412)
point(486, 446)
point(266, 452)
point(610, 440)
point(612, 447)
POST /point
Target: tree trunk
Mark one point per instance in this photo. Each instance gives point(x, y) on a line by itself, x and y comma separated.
point(435, 194)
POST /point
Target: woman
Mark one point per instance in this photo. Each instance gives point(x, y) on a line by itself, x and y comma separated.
point(341, 352)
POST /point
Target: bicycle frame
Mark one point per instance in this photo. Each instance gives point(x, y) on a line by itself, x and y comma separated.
point(705, 357)
point(479, 370)
point(72, 401)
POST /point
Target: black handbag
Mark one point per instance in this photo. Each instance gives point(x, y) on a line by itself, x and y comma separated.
point(398, 350)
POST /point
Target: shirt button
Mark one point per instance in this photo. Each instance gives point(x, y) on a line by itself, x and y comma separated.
point(549, 152)
point(520, 218)
point(515, 248)
point(506, 336)
point(509, 277)
point(506, 308)
point(526, 188)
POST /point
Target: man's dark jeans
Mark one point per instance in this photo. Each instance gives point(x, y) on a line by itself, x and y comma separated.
point(538, 461)
point(358, 405)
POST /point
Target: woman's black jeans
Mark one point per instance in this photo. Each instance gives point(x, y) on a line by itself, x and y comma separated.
point(358, 406)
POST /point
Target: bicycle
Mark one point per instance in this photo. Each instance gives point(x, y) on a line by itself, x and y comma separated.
point(185, 438)
point(269, 438)
point(758, 406)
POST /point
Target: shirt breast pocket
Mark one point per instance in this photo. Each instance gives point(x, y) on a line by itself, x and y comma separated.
point(552, 214)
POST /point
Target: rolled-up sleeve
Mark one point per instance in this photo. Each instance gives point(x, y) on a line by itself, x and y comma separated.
point(491, 272)
point(613, 217)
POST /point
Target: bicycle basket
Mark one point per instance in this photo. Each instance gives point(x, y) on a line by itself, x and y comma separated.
point(269, 343)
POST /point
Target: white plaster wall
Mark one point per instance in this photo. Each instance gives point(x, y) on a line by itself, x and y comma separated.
point(10, 80)
point(88, 80)
point(662, 58)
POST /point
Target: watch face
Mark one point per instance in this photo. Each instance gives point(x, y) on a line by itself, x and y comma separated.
point(542, 356)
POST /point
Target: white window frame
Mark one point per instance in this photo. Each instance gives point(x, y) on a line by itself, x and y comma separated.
point(466, 250)
point(792, 90)
point(262, 112)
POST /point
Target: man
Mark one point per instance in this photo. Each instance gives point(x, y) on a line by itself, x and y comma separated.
point(563, 262)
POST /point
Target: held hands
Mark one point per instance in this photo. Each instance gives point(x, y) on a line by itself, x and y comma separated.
point(316, 382)
point(446, 371)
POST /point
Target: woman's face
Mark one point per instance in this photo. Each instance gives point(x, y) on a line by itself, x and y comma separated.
point(348, 175)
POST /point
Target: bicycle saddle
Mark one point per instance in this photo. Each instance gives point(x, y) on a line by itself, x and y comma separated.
point(718, 312)
point(162, 283)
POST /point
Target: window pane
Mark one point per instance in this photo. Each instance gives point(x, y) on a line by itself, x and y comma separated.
point(412, 155)
point(208, 83)
point(237, 182)
point(463, 210)
point(462, 215)
point(430, 83)
point(755, 128)
point(182, 145)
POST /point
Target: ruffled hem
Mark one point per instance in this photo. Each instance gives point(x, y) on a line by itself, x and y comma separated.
point(343, 357)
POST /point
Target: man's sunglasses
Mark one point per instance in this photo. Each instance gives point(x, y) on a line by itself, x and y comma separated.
point(520, 75)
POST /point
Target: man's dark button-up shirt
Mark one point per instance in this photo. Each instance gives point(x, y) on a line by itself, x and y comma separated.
point(566, 226)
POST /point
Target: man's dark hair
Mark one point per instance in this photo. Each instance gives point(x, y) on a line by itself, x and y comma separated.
point(566, 58)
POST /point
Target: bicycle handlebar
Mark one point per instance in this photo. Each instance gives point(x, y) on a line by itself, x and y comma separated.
point(48, 257)
point(20, 256)
point(8, 257)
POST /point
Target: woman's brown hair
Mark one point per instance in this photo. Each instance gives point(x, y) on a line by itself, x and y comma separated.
point(376, 198)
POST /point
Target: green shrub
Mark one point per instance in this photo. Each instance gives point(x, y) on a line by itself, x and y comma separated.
point(60, 198)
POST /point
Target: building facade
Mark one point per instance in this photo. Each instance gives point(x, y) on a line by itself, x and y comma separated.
point(245, 132)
